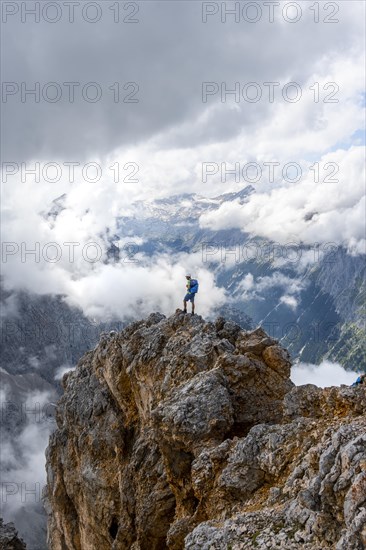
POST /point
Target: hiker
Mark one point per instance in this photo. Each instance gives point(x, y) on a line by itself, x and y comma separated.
point(192, 289)
point(360, 380)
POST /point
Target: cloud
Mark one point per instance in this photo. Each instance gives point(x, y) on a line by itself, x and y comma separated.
point(247, 282)
point(252, 287)
point(63, 369)
point(170, 133)
point(23, 460)
point(9, 306)
point(289, 301)
point(3, 390)
point(118, 291)
point(307, 211)
point(67, 255)
point(170, 108)
point(34, 361)
point(323, 375)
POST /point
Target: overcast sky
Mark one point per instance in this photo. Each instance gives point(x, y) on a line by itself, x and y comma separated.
point(169, 52)
point(161, 71)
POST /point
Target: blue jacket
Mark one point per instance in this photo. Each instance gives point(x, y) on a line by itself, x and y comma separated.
point(193, 288)
point(360, 380)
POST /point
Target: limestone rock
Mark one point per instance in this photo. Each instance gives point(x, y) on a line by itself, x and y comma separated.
point(177, 433)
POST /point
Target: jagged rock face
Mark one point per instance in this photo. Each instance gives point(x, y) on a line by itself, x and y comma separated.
point(9, 537)
point(303, 484)
point(177, 433)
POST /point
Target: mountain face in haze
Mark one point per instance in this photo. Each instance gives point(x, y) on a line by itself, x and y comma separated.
point(9, 539)
point(179, 433)
point(27, 419)
point(42, 333)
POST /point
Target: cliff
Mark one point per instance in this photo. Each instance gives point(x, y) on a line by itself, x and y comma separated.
point(9, 539)
point(178, 433)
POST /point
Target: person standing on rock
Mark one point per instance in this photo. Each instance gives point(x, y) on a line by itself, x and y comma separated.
point(360, 380)
point(192, 289)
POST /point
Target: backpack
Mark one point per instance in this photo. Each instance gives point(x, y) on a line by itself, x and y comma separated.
point(360, 380)
point(194, 286)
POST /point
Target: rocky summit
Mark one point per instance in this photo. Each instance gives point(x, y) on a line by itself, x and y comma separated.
point(179, 433)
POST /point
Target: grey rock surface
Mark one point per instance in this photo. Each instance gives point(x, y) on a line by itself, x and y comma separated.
point(179, 433)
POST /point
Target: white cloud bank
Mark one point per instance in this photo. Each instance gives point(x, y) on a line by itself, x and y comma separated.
point(324, 375)
point(22, 454)
point(63, 369)
point(306, 211)
point(119, 291)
